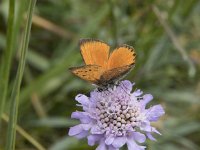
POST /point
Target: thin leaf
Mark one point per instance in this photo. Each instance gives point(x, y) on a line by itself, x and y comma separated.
point(7, 57)
point(10, 145)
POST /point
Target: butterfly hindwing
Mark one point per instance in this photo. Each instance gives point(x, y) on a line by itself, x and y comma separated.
point(94, 52)
point(89, 73)
point(115, 74)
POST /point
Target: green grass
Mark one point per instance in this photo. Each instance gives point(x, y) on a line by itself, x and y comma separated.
point(7, 57)
point(168, 53)
point(14, 100)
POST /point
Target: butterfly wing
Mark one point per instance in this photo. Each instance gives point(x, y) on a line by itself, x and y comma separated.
point(121, 61)
point(94, 52)
point(90, 73)
point(115, 74)
point(122, 56)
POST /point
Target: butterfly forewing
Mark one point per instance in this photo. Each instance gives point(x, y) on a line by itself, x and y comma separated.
point(122, 56)
point(94, 52)
point(89, 73)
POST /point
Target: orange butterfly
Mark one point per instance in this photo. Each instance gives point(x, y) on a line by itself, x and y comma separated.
point(102, 68)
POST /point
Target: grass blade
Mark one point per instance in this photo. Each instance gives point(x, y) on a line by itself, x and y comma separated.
point(7, 57)
point(14, 21)
point(10, 145)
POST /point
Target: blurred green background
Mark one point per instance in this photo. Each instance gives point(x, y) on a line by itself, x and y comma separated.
point(165, 35)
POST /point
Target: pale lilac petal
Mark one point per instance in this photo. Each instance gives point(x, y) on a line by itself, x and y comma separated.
point(155, 112)
point(82, 135)
point(86, 126)
point(133, 146)
point(110, 147)
point(109, 140)
point(92, 139)
point(139, 137)
point(78, 129)
point(82, 116)
point(96, 130)
point(119, 142)
point(102, 146)
point(146, 99)
point(84, 100)
point(94, 95)
point(155, 131)
point(149, 135)
point(75, 130)
point(145, 126)
point(138, 92)
point(126, 85)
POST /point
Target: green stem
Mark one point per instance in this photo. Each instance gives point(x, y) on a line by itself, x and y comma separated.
point(10, 143)
point(7, 57)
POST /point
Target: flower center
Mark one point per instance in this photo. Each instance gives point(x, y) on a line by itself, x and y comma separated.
point(117, 117)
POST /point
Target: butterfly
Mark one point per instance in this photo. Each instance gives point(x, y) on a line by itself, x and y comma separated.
point(103, 67)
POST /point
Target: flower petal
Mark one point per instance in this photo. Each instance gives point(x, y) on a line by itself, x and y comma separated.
point(109, 140)
point(75, 130)
point(149, 135)
point(154, 130)
point(145, 126)
point(110, 147)
point(139, 137)
point(96, 130)
point(92, 139)
point(146, 99)
point(126, 85)
point(102, 146)
point(78, 129)
point(133, 146)
point(155, 112)
point(138, 92)
point(119, 142)
point(82, 116)
point(82, 135)
point(84, 100)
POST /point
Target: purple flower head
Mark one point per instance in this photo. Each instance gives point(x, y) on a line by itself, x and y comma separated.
point(115, 117)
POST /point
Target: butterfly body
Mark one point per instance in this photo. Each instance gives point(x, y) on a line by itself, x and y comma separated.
point(101, 68)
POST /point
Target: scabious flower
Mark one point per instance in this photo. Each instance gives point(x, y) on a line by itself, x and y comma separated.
point(115, 117)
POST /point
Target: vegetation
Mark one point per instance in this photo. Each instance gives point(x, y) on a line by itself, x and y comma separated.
point(165, 35)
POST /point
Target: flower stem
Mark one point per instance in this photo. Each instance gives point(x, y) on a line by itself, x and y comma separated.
point(10, 143)
point(7, 57)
